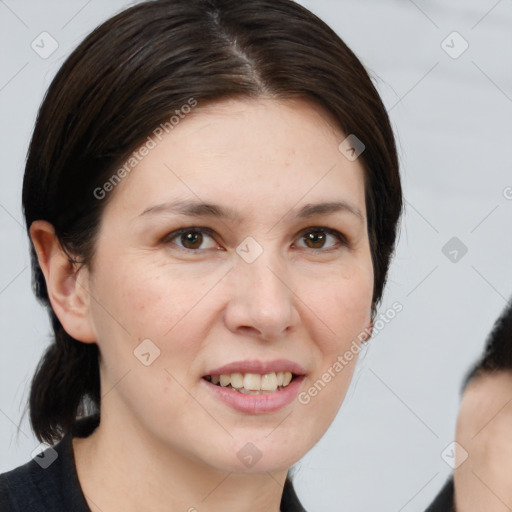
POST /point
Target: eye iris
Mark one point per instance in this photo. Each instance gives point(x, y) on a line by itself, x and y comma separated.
point(315, 237)
point(192, 237)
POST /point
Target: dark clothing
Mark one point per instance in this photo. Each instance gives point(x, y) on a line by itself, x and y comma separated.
point(445, 500)
point(49, 484)
point(39, 487)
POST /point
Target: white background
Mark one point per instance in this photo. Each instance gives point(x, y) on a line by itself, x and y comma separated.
point(453, 120)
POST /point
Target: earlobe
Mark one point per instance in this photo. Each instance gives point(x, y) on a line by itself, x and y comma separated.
point(67, 288)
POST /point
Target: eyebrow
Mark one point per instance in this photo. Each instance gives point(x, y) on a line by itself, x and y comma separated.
point(202, 209)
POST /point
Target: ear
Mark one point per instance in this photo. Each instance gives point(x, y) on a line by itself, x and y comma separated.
point(67, 288)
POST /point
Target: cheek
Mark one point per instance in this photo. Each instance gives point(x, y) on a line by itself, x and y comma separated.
point(343, 308)
point(148, 303)
point(146, 306)
point(343, 312)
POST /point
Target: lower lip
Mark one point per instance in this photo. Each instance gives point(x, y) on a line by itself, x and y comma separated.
point(255, 404)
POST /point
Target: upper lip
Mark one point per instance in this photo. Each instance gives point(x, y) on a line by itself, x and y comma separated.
point(257, 366)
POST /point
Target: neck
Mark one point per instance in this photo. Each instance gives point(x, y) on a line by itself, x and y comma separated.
point(122, 467)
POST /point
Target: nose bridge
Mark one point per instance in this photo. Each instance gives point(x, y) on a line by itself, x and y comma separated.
point(262, 298)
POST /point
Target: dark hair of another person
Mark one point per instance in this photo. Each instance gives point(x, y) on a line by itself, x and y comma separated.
point(497, 354)
point(130, 75)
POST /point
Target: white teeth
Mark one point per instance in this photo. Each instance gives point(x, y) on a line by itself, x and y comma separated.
point(253, 383)
point(237, 380)
point(225, 380)
point(269, 382)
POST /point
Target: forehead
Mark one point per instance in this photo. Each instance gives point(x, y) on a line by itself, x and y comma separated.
point(254, 153)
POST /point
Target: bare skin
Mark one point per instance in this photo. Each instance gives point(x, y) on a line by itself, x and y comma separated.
point(165, 442)
point(482, 481)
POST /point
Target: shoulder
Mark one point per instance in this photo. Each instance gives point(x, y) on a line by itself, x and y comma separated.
point(444, 501)
point(28, 487)
point(48, 481)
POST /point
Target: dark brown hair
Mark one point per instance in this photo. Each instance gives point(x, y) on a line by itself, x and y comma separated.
point(497, 354)
point(130, 75)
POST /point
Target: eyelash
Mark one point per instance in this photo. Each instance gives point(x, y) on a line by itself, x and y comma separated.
point(313, 229)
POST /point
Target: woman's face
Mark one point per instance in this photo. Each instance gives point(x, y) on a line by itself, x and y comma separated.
point(262, 284)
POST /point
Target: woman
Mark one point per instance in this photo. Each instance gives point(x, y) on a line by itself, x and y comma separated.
point(212, 195)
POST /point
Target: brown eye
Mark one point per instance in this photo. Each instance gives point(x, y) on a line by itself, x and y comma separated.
point(190, 238)
point(193, 238)
point(315, 238)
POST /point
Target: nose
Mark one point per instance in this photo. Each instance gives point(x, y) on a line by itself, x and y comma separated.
point(261, 301)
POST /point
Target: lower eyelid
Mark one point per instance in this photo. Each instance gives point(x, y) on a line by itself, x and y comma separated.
point(340, 237)
point(176, 234)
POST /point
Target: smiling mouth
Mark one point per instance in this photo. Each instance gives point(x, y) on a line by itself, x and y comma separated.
point(253, 383)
